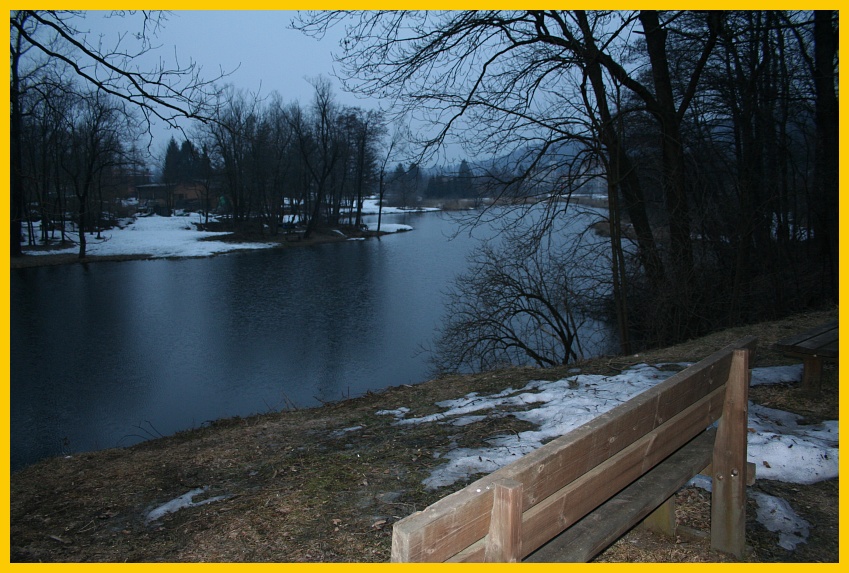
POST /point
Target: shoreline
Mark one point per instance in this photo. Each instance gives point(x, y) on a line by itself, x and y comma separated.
point(321, 236)
point(30, 260)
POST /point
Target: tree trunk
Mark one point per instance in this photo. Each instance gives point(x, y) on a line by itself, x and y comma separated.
point(826, 168)
point(82, 216)
point(623, 173)
point(674, 179)
point(16, 160)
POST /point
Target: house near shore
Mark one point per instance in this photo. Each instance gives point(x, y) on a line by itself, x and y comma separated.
point(162, 198)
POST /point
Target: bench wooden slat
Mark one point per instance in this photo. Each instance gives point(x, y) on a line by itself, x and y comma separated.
point(547, 469)
point(823, 345)
point(462, 519)
point(577, 499)
point(444, 528)
point(609, 521)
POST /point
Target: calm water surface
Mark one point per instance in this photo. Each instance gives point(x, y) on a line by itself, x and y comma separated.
point(111, 354)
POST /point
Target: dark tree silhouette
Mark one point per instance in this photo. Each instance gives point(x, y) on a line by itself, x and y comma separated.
point(52, 37)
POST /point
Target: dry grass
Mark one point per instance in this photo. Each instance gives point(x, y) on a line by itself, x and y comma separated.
point(299, 488)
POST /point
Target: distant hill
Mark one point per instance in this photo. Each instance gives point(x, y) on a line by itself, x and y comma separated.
point(521, 159)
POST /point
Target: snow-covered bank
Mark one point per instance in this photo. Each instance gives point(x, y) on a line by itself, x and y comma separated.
point(390, 228)
point(371, 206)
point(161, 237)
point(781, 448)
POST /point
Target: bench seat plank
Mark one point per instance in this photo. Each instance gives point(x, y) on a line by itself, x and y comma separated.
point(821, 341)
point(587, 538)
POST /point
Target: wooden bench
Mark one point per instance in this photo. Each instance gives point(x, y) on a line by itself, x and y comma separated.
point(571, 498)
point(813, 347)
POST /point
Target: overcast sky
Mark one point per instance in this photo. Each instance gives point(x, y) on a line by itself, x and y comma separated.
point(259, 47)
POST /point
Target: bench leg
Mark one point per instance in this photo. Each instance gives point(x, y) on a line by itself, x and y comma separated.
point(662, 519)
point(504, 540)
point(812, 373)
point(728, 500)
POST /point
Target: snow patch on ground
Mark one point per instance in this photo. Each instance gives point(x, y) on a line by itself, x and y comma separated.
point(776, 375)
point(344, 431)
point(390, 227)
point(785, 450)
point(158, 237)
point(372, 207)
point(776, 515)
point(180, 502)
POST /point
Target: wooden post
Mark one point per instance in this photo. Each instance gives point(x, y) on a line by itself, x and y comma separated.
point(504, 541)
point(812, 373)
point(728, 501)
point(662, 519)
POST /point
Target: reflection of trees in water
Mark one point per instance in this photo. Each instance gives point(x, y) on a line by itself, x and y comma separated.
point(524, 299)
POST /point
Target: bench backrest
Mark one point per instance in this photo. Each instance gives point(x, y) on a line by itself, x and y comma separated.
point(508, 514)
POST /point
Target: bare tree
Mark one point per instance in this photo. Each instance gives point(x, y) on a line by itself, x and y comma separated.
point(824, 73)
point(206, 174)
point(319, 147)
point(164, 93)
point(230, 138)
point(43, 109)
point(95, 128)
point(280, 160)
point(515, 305)
point(397, 141)
point(365, 129)
point(171, 174)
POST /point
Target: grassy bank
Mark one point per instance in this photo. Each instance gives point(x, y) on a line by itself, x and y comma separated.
point(300, 486)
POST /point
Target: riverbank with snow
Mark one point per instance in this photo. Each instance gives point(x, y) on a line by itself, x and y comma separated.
point(178, 236)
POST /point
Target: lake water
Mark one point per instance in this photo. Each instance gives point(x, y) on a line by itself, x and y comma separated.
point(110, 354)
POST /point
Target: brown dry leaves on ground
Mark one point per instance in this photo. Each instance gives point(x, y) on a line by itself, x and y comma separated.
point(326, 484)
